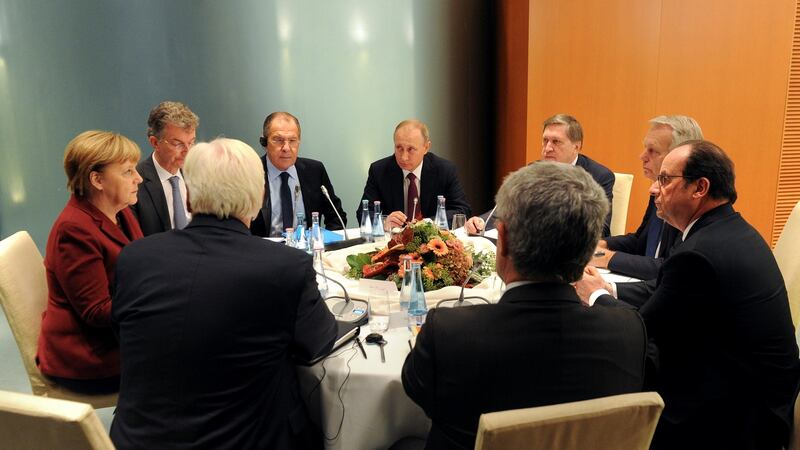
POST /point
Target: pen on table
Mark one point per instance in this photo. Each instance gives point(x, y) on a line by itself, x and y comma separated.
point(599, 254)
point(363, 352)
point(409, 345)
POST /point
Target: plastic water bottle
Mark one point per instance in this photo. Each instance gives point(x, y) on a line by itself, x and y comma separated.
point(322, 282)
point(301, 242)
point(289, 241)
point(317, 241)
point(417, 308)
point(366, 223)
point(405, 288)
point(441, 214)
point(377, 223)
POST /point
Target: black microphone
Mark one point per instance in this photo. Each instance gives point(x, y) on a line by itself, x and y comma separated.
point(339, 309)
point(325, 193)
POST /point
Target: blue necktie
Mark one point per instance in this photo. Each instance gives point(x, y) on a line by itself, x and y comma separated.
point(653, 235)
point(178, 213)
point(286, 202)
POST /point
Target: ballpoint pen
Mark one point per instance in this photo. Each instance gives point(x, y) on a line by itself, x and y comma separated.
point(363, 352)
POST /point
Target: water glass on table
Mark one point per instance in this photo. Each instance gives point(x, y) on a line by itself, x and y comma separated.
point(378, 311)
point(458, 221)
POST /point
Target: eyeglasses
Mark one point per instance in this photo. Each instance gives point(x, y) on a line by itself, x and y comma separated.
point(664, 178)
point(182, 146)
point(280, 142)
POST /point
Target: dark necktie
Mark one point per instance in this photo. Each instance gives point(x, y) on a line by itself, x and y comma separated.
point(178, 213)
point(412, 194)
point(653, 235)
point(286, 202)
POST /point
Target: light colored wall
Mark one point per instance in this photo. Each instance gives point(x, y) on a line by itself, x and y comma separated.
point(349, 69)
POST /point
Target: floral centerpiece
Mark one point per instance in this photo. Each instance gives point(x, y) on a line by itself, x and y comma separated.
point(445, 260)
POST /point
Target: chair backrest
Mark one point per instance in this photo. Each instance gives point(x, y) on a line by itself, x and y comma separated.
point(787, 254)
point(32, 422)
point(621, 421)
point(619, 205)
point(23, 296)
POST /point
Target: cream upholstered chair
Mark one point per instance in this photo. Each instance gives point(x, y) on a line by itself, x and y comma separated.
point(794, 436)
point(787, 254)
point(31, 422)
point(23, 295)
point(619, 205)
point(620, 421)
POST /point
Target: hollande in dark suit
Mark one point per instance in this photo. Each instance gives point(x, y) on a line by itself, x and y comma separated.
point(208, 318)
point(439, 177)
point(151, 207)
point(312, 176)
point(630, 259)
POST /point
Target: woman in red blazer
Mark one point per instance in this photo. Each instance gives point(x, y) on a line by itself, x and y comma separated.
point(77, 348)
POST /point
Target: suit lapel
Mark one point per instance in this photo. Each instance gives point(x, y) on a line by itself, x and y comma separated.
point(266, 209)
point(152, 185)
point(103, 223)
point(427, 185)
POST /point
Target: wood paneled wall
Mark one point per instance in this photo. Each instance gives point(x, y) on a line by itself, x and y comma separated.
point(614, 64)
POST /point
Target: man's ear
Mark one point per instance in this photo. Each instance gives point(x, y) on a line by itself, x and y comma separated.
point(702, 185)
point(502, 241)
point(153, 141)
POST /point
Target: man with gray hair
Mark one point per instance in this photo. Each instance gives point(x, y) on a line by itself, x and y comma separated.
point(530, 348)
point(161, 205)
point(209, 318)
point(640, 254)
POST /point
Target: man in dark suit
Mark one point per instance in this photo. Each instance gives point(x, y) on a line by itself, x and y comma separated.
point(640, 254)
point(301, 186)
point(161, 204)
point(538, 345)
point(209, 318)
point(719, 315)
point(413, 173)
point(562, 140)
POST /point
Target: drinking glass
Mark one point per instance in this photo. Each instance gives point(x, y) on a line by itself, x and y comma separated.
point(378, 311)
point(458, 221)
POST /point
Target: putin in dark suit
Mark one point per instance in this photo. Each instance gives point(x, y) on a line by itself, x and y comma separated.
point(413, 173)
point(719, 315)
point(538, 345)
point(209, 318)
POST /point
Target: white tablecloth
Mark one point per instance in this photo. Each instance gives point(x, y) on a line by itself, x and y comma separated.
point(374, 410)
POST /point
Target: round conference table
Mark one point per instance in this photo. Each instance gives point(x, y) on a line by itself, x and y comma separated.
point(360, 403)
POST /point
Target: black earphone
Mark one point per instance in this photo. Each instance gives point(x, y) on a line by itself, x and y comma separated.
point(263, 141)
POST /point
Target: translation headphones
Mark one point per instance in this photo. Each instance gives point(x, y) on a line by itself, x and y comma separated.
point(263, 141)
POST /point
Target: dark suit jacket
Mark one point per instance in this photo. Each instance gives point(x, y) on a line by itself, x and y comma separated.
point(537, 346)
point(151, 208)
point(630, 258)
point(311, 174)
point(76, 339)
point(439, 177)
point(729, 368)
point(604, 177)
point(208, 318)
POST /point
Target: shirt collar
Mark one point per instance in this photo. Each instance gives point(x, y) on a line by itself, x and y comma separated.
point(163, 174)
point(688, 228)
point(417, 172)
point(575, 161)
point(273, 172)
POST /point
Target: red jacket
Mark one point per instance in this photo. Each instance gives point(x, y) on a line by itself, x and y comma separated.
point(77, 340)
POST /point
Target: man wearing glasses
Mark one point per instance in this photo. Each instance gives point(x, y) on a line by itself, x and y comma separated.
point(728, 366)
point(171, 129)
point(292, 184)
